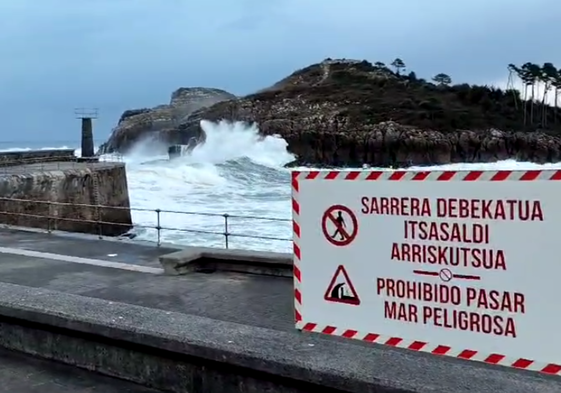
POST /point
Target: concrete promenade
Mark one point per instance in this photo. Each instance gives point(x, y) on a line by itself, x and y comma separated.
point(129, 273)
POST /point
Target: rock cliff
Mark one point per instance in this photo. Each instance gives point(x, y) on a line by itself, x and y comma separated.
point(349, 113)
point(160, 123)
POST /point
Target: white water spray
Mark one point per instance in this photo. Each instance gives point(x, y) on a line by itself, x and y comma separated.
point(236, 172)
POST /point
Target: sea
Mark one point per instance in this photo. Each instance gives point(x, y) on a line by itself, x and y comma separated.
point(237, 176)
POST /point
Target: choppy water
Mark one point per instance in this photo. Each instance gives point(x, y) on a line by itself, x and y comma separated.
point(234, 172)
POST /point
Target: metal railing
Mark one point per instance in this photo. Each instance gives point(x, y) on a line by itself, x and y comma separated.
point(48, 213)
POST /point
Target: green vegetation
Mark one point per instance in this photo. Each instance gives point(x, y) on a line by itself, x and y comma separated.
point(442, 79)
point(532, 75)
point(368, 93)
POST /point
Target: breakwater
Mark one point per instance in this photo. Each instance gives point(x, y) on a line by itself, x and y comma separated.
point(54, 190)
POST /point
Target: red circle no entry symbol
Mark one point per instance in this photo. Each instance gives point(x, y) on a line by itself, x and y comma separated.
point(345, 232)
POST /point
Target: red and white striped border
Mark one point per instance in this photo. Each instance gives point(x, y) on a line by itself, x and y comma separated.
point(296, 247)
point(397, 342)
point(501, 175)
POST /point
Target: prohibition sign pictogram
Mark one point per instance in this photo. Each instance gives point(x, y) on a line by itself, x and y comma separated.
point(445, 275)
point(334, 215)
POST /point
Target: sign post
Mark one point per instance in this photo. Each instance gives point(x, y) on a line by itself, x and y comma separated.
point(457, 263)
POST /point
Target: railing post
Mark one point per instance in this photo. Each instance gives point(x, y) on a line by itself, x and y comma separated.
point(49, 217)
point(99, 226)
point(97, 201)
point(226, 233)
point(158, 226)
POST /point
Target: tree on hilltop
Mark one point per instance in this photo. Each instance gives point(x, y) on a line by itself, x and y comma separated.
point(556, 91)
point(514, 70)
point(532, 75)
point(399, 65)
point(548, 74)
point(442, 79)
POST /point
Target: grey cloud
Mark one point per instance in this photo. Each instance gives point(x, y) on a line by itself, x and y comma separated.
point(117, 54)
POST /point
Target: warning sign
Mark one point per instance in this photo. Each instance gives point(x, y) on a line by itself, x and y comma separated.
point(341, 289)
point(468, 264)
point(339, 225)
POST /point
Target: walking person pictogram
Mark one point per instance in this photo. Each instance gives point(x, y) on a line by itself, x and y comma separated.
point(340, 224)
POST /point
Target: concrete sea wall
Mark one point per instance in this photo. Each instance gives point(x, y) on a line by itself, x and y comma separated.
point(66, 195)
point(10, 158)
point(186, 353)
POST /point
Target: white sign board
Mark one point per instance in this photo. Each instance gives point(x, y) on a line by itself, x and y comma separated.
point(465, 264)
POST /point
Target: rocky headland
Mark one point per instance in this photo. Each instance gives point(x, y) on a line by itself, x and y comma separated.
point(350, 113)
point(163, 122)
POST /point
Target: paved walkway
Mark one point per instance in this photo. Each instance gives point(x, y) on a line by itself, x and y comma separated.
point(131, 273)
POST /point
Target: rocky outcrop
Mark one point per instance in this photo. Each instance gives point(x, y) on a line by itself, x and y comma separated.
point(160, 123)
point(389, 144)
point(350, 113)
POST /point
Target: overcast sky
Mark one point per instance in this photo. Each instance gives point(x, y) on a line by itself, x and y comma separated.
point(117, 54)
